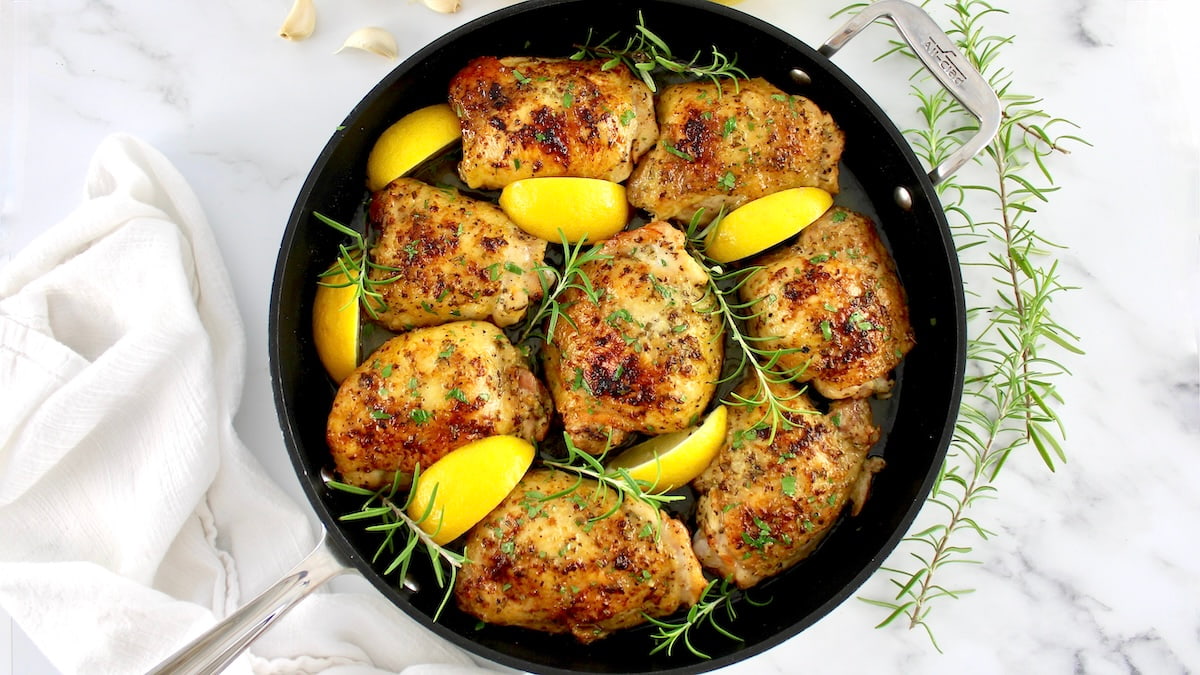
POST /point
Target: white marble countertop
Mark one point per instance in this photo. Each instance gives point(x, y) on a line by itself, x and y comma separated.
point(1095, 568)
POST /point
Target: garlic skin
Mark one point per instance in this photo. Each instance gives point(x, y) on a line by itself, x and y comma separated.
point(300, 21)
point(372, 39)
point(443, 6)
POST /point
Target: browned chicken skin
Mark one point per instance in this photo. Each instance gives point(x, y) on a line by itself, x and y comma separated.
point(453, 257)
point(724, 146)
point(835, 297)
point(546, 564)
point(525, 117)
point(764, 506)
point(642, 358)
point(427, 392)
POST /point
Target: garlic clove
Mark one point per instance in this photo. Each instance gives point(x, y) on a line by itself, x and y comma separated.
point(300, 21)
point(372, 39)
point(443, 6)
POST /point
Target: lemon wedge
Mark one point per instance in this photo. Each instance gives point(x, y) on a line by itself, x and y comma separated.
point(760, 224)
point(578, 207)
point(409, 141)
point(335, 326)
point(469, 481)
point(672, 460)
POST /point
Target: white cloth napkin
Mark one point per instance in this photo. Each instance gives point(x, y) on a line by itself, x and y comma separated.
point(131, 516)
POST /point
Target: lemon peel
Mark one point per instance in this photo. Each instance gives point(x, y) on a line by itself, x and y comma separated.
point(409, 141)
point(672, 460)
point(462, 487)
point(760, 224)
point(558, 207)
point(336, 325)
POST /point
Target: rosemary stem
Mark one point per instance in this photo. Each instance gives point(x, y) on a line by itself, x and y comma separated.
point(425, 538)
point(735, 333)
point(1018, 298)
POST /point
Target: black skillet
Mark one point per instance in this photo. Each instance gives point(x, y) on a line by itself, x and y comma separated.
point(886, 180)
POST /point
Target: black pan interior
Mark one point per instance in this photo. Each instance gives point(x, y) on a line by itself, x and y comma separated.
point(922, 412)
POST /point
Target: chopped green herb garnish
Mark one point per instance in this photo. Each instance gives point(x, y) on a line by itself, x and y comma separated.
point(788, 485)
point(677, 152)
point(727, 182)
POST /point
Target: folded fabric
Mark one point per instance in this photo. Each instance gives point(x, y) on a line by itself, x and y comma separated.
point(131, 516)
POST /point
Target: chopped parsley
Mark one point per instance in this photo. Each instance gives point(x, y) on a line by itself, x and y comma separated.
point(727, 182)
point(788, 485)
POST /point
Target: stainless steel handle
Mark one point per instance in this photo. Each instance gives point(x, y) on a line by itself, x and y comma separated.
point(213, 651)
point(937, 52)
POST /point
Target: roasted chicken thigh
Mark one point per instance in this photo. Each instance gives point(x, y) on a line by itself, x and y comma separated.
point(450, 257)
point(724, 145)
point(552, 557)
point(641, 355)
point(427, 392)
point(525, 117)
point(763, 504)
point(834, 297)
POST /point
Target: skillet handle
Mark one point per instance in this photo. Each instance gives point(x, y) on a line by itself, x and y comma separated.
point(214, 650)
point(939, 55)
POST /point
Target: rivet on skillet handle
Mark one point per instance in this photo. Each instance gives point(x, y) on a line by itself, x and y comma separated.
point(937, 52)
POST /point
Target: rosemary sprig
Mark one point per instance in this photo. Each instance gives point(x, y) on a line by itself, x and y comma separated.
point(555, 282)
point(355, 264)
point(749, 359)
point(618, 480)
point(644, 53)
point(718, 594)
point(392, 516)
point(1010, 402)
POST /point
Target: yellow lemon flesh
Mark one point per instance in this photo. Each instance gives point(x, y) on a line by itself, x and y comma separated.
point(335, 326)
point(672, 460)
point(414, 138)
point(578, 207)
point(470, 481)
point(764, 222)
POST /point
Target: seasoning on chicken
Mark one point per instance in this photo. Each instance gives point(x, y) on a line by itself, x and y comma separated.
point(524, 117)
point(642, 355)
point(835, 298)
point(763, 506)
point(552, 558)
point(427, 392)
point(724, 145)
point(452, 257)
